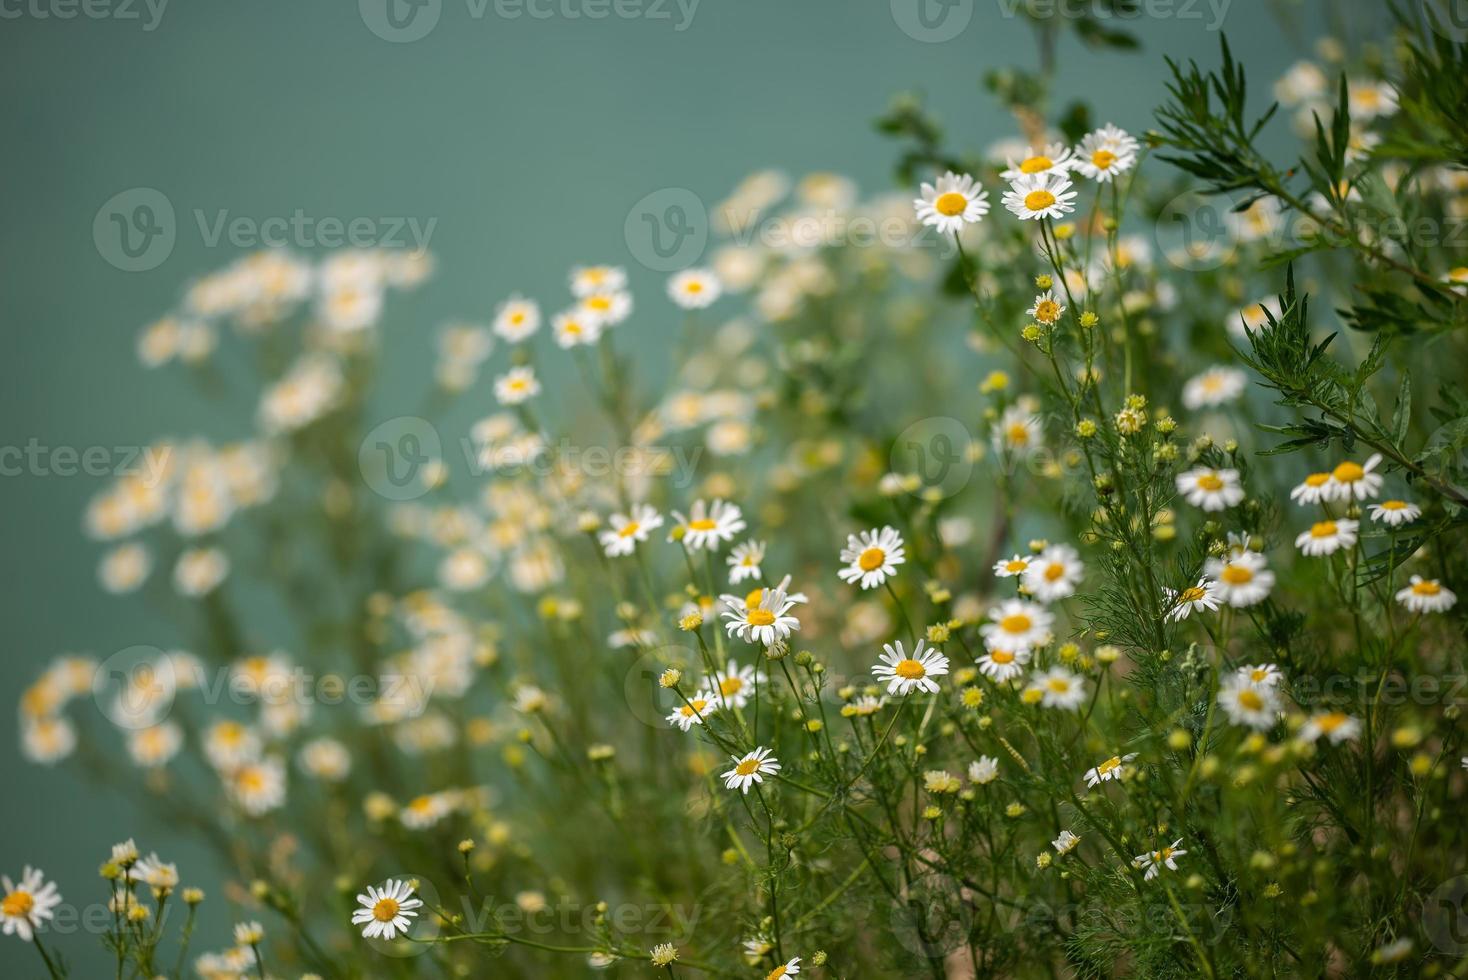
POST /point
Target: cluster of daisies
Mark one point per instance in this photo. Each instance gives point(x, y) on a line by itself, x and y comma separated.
point(1040, 184)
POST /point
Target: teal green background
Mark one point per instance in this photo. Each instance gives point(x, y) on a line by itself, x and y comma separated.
point(528, 140)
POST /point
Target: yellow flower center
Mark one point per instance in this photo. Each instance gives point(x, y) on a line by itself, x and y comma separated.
point(871, 559)
point(1192, 594)
point(950, 204)
point(693, 286)
point(1236, 574)
point(1331, 721)
point(517, 318)
point(17, 904)
point(1053, 571)
point(761, 617)
point(754, 598)
point(1039, 200)
point(694, 707)
point(385, 910)
point(1017, 623)
point(748, 767)
point(1322, 529)
point(777, 973)
point(731, 685)
point(1250, 699)
point(1109, 765)
point(1164, 854)
point(1001, 657)
point(1394, 505)
point(1016, 565)
point(249, 780)
point(1316, 479)
point(1348, 472)
point(1035, 165)
point(1019, 435)
point(629, 529)
point(910, 669)
point(1426, 588)
point(1047, 311)
point(1058, 685)
point(421, 804)
point(599, 303)
point(1103, 159)
point(702, 524)
point(1210, 481)
point(1460, 274)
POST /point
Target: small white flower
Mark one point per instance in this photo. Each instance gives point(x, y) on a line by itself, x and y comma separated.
point(1262, 675)
point(1327, 537)
point(1335, 725)
point(953, 201)
point(685, 716)
point(872, 556)
point(1246, 703)
point(1065, 843)
point(1205, 596)
point(905, 674)
point(1155, 861)
point(248, 933)
point(1111, 769)
point(1314, 489)
point(1010, 567)
point(1353, 481)
point(1054, 573)
point(1040, 196)
point(694, 289)
point(751, 768)
point(516, 385)
point(516, 319)
point(27, 904)
point(1046, 309)
point(744, 561)
point(1003, 665)
point(1104, 153)
point(589, 279)
point(1017, 625)
point(626, 530)
point(764, 622)
point(576, 328)
point(787, 969)
point(707, 526)
point(983, 770)
point(1215, 386)
point(1242, 580)
point(1059, 688)
point(386, 911)
point(1395, 513)
point(1055, 158)
point(1210, 489)
point(735, 685)
point(1427, 596)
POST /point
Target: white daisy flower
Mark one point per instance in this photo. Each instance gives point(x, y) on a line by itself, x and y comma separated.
point(1242, 579)
point(1046, 309)
point(750, 768)
point(1368, 99)
point(575, 328)
point(1054, 573)
point(1203, 596)
point(1314, 489)
point(27, 903)
point(1261, 675)
point(427, 810)
point(516, 385)
point(257, 787)
point(607, 308)
point(1017, 625)
point(691, 713)
point(627, 530)
point(154, 746)
point(1216, 386)
point(1246, 703)
point(1335, 725)
point(1054, 158)
point(1458, 279)
point(248, 933)
point(1112, 768)
point(325, 758)
point(1427, 596)
point(229, 745)
point(872, 557)
point(199, 571)
point(1104, 153)
point(694, 289)
point(48, 739)
point(1040, 196)
point(1017, 430)
point(1059, 688)
point(1155, 861)
point(1254, 317)
point(787, 969)
point(1352, 481)
point(765, 622)
point(745, 560)
point(1065, 843)
point(124, 568)
point(1327, 537)
point(386, 911)
point(708, 526)
point(1003, 665)
point(1010, 567)
point(516, 319)
point(589, 279)
point(735, 685)
point(983, 770)
point(1395, 513)
point(905, 674)
point(953, 201)
point(1210, 489)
